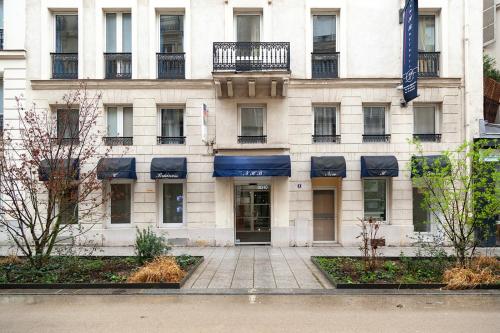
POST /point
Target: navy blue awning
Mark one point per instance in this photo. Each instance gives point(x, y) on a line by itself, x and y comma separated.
point(112, 168)
point(429, 163)
point(62, 167)
point(252, 166)
point(379, 166)
point(328, 166)
point(169, 168)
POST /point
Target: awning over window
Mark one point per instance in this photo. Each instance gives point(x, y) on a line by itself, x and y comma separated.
point(116, 168)
point(419, 163)
point(328, 166)
point(379, 166)
point(169, 168)
point(62, 167)
point(252, 166)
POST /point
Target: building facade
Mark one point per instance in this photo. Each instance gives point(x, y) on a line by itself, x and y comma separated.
point(254, 121)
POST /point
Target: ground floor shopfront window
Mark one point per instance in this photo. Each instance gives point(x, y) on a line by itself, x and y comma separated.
point(121, 203)
point(253, 213)
point(375, 198)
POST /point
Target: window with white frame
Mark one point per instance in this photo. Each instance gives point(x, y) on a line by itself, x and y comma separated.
point(172, 202)
point(120, 125)
point(118, 56)
point(375, 193)
point(120, 203)
point(426, 123)
point(252, 124)
point(68, 206)
point(324, 33)
point(66, 33)
point(68, 124)
point(248, 27)
point(325, 124)
point(171, 126)
point(171, 33)
point(375, 124)
point(427, 33)
point(421, 214)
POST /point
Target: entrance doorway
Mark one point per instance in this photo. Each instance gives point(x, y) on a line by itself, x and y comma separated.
point(324, 215)
point(253, 213)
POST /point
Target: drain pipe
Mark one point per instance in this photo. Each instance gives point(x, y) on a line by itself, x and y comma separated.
point(465, 62)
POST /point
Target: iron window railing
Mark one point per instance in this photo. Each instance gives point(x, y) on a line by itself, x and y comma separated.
point(325, 65)
point(252, 138)
point(118, 141)
point(428, 64)
point(1, 39)
point(326, 138)
point(428, 137)
point(251, 56)
point(376, 138)
point(171, 140)
point(118, 65)
point(171, 65)
point(64, 65)
point(66, 141)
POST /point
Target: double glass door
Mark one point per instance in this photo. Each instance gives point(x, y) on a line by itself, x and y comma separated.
point(253, 213)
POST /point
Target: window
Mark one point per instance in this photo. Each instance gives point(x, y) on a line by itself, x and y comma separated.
point(1, 105)
point(119, 126)
point(248, 28)
point(375, 198)
point(1, 24)
point(121, 203)
point(68, 206)
point(68, 124)
point(171, 33)
point(425, 123)
point(172, 126)
point(427, 33)
point(66, 33)
point(421, 215)
point(173, 202)
point(252, 124)
point(375, 124)
point(118, 57)
point(325, 124)
point(489, 17)
point(324, 34)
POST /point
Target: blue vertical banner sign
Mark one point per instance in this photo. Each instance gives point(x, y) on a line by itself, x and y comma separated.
point(410, 50)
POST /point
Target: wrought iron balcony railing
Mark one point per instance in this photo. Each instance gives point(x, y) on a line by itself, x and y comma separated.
point(428, 137)
point(376, 138)
point(325, 65)
point(66, 141)
point(171, 65)
point(171, 140)
point(118, 141)
point(251, 56)
point(252, 138)
point(326, 138)
point(1, 39)
point(428, 64)
point(118, 65)
point(64, 65)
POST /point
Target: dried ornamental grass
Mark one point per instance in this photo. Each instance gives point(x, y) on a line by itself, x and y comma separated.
point(483, 262)
point(161, 269)
point(466, 278)
point(10, 260)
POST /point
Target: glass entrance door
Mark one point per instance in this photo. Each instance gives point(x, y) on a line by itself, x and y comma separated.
point(324, 215)
point(253, 213)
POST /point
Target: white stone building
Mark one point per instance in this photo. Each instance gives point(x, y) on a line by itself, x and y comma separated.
point(286, 83)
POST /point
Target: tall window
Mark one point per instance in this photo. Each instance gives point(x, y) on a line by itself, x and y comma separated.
point(119, 125)
point(248, 28)
point(172, 126)
point(171, 33)
point(425, 123)
point(374, 124)
point(68, 206)
point(173, 202)
point(375, 198)
point(421, 215)
point(66, 33)
point(252, 125)
point(324, 34)
point(121, 203)
point(427, 33)
point(68, 124)
point(1, 104)
point(325, 124)
point(118, 56)
point(1, 24)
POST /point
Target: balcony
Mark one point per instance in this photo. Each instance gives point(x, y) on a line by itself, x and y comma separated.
point(118, 141)
point(118, 65)
point(1, 39)
point(247, 139)
point(427, 137)
point(171, 140)
point(376, 138)
point(325, 65)
point(171, 65)
point(428, 64)
point(65, 66)
point(326, 138)
point(65, 141)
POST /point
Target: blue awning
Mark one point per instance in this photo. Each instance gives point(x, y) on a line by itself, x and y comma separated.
point(328, 166)
point(252, 166)
point(61, 167)
point(379, 166)
point(116, 168)
point(429, 163)
point(168, 168)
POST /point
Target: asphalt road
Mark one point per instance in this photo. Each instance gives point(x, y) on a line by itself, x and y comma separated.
point(263, 313)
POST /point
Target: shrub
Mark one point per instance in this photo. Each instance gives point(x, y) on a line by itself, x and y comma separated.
point(161, 269)
point(148, 245)
point(482, 270)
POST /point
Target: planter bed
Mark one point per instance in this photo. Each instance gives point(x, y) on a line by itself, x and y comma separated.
point(391, 273)
point(87, 273)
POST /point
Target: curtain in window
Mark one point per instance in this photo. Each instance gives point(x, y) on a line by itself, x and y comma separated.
point(126, 32)
point(324, 121)
point(252, 121)
point(173, 199)
point(171, 33)
point(421, 215)
point(121, 197)
point(424, 120)
point(374, 120)
point(324, 33)
point(128, 122)
point(67, 123)
point(426, 33)
point(375, 198)
point(172, 124)
point(67, 33)
point(111, 32)
point(248, 28)
point(112, 122)
point(68, 206)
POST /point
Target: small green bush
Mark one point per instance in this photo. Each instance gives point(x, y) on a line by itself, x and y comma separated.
point(148, 245)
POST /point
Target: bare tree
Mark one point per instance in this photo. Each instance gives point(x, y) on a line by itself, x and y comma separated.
point(49, 187)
